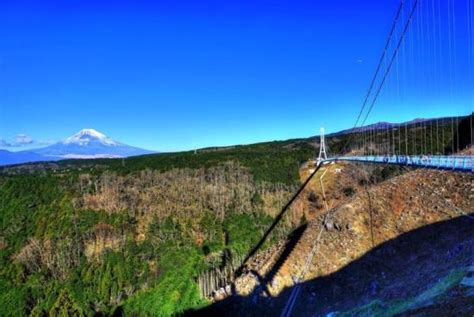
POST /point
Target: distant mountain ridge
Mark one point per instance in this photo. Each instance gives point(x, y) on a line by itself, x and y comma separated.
point(85, 144)
point(92, 144)
point(380, 126)
point(9, 158)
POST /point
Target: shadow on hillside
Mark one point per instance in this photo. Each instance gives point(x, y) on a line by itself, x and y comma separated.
point(291, 242)
point(398, 269)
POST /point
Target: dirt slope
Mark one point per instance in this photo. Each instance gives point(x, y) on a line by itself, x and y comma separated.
point(361, 227)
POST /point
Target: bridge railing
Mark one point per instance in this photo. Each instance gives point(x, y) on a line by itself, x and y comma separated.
point(445, 162)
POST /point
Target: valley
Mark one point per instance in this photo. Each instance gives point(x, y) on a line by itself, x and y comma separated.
point(145, 235)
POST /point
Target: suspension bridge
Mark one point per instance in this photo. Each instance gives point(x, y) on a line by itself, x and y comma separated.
point(429, 46)
point(418, 21)
point(417, 144)
point(460, 163)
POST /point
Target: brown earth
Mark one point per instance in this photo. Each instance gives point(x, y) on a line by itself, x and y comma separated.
point(355, 223)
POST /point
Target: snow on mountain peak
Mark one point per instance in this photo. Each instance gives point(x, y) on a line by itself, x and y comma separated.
point(86, 136)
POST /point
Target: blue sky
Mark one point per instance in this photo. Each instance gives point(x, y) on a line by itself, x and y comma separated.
point(177, 75)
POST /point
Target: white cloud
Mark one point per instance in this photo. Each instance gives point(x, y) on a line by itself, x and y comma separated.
point(23, 139)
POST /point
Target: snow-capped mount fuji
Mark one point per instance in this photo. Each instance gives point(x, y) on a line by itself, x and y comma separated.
point(85, 136)
point(85, 144)
point(90, 143)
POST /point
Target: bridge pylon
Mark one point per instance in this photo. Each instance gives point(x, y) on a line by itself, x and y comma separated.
point(322, 147)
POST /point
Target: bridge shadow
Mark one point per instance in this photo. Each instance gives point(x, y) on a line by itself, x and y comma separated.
point(293, 238)
point(386, 276)
point(275, 222)
point(291, 242)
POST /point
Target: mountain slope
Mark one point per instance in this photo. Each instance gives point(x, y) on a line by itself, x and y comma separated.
point(421, 250)
point(89, 143)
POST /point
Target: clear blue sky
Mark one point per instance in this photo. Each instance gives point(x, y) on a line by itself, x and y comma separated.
point(174, 75)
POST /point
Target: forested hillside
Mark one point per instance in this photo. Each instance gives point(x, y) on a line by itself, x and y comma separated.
point(85, 240)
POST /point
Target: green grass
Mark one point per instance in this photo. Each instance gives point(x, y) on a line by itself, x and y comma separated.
point(378, 308)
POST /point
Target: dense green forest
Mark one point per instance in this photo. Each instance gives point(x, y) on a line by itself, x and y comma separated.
point(78, 243)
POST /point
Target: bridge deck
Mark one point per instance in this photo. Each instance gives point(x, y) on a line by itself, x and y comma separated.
point(452, 163)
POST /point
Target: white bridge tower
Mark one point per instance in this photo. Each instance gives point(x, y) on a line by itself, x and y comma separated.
point(322, 148)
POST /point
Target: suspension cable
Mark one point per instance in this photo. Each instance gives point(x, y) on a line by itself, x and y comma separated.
point(379, 66)
point(437, 136)
point(471, 52)
point(407, 24)
point(407, 138)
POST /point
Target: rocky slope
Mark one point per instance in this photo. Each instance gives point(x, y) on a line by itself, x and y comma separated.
point(395, 247)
